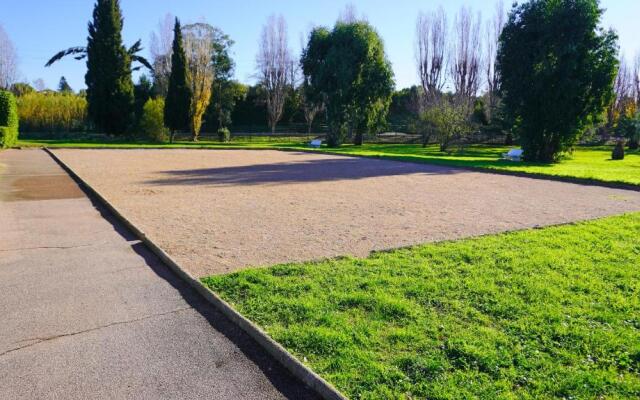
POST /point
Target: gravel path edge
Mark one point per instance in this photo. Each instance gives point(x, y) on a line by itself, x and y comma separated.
point(323, 388)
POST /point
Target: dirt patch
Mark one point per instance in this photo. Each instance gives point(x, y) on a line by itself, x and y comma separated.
point(34, 179)
point(218, 211)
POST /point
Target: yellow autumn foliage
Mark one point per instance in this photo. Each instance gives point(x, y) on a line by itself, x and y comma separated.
point(52, 112)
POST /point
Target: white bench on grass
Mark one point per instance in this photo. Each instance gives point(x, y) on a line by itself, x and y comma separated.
point(315, 143)
point(513, 155)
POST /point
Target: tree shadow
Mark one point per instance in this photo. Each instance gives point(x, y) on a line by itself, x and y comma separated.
point(314, 170)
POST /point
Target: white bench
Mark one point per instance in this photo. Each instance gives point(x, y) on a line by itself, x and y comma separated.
point(513, 155)
point(315, 143)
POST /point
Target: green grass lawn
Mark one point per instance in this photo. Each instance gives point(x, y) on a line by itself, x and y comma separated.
point(592, 163)
point(548, 313)
point(589, 163)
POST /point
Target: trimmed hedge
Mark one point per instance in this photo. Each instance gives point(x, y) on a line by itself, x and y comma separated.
point(8, 119)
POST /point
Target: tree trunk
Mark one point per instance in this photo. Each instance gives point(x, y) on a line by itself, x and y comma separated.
point(508, 140)
point(358, 138)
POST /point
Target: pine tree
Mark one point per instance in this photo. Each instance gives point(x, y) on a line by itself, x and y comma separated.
point(109, 84)
point(177, 104)
point(63, 86)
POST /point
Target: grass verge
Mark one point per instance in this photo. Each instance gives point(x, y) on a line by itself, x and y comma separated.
point(549, 313)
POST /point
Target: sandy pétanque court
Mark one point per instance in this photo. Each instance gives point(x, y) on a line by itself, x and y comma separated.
point(218, 211)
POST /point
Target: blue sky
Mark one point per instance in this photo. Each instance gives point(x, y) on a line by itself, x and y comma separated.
point(39, 28)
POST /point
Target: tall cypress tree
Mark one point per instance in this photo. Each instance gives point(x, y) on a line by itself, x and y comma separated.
point(178, 102)
point(109, 84)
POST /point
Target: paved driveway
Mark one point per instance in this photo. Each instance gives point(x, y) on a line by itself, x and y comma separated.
point(88, 312)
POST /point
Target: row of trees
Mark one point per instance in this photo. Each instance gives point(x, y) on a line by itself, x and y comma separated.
point(453, 65)
point(548, 71)
point(354, 87)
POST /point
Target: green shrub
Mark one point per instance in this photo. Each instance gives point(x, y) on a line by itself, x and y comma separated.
point(629, 128)
point(8, 119)
point(224, 135)
point(618, 151)
point(52, 112)
point(152, 121)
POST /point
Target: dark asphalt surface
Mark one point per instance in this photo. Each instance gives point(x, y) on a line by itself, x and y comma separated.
point(86, 311)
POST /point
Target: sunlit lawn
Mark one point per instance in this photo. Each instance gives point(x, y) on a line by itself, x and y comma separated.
point(540, 314)
point(586, 162)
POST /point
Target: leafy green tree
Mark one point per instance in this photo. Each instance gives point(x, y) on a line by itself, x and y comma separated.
point(557, 69)
point(225, 92)
point(349, 69)
point(109, 85)
point(448, 120)
point(629, 128)
point(63, 86)
point(142, 92)
point(250, 108)
point(178, 103)
point(223, 104)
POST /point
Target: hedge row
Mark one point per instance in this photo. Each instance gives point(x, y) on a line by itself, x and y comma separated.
point(8, 119)
point(52, 112)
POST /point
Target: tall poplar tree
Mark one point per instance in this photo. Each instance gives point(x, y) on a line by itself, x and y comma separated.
point(178, 102)
point(109, 85)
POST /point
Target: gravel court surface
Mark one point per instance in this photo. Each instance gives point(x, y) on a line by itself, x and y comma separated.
point(218, 211)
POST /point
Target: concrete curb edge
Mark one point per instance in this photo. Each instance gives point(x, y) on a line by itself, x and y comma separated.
point(323, 388)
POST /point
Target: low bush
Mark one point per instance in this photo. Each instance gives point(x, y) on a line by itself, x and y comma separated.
point(52, 112)
point(152, 121)
point(224, 135)
point(8, 119)
point(618, 151)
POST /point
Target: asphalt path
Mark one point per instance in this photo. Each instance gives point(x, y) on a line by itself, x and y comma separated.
point(87, 311)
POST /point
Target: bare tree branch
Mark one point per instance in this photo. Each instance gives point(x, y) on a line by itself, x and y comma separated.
point(431, 52)
point(494, 30)
point(275, 64)
point(636, 80)
point(466, 63)
point(8, 61)
point(161, 49)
